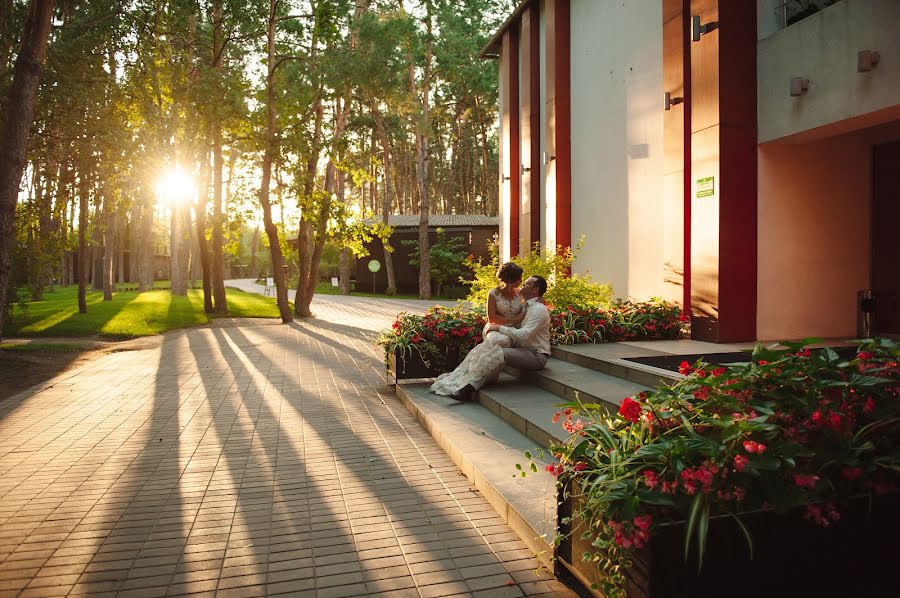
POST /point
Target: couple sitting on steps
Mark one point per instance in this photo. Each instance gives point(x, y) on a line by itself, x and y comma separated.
point(517, 334)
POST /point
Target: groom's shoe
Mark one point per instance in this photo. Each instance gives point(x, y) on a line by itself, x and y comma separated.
point(464, 394)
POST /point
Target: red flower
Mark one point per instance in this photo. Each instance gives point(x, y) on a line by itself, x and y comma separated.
point(685, 368)
point(864, 355)
point(650, 479)
point(630, 410)
point(580, 466)
point(642, 522)
point(805, 481)
point(556, 417)
point(740, 462)
point(754, 447)
point(851, 473)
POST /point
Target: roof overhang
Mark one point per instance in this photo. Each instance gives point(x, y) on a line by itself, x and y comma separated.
point(492, 48)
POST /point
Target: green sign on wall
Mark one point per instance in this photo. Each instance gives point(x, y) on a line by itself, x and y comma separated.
point(706, 187)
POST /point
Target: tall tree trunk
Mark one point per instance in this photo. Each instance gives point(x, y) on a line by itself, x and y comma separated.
point(202, 245)
point(217, 273)
point(254, 249)
point(109, 234)
point(268, 157)
point(83, 258)
point(345, 271)
point(120, 249)
point(422, 126)
point(19, 112)
point(146, 273)
point(386, 202)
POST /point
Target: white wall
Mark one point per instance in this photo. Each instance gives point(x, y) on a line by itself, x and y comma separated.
point(813, 234)
point(823, 49)
point(617, 135)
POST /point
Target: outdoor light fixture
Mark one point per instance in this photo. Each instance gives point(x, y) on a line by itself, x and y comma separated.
point(525, 169)
point(866, 60)
point(670, 101)
point(506, 177)
point(799, 86)
point(548, 158)
point(698, 28)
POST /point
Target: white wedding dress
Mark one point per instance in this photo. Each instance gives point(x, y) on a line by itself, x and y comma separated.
point(486, 358)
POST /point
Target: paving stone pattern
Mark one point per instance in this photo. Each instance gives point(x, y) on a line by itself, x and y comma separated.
point(245, 459)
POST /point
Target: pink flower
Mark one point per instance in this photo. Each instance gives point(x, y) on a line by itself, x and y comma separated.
point(556, 417)
point(805, 480)
point(650, 479)
point(740, 462)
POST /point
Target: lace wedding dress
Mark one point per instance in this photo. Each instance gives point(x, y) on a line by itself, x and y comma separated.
point(485, 359)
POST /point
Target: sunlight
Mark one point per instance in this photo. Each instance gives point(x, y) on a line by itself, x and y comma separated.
point(174, 185)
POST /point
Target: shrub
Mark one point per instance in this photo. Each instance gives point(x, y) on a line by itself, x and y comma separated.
point(624, 321)
point(793, 429)
point(577, 290)
point(440, 331)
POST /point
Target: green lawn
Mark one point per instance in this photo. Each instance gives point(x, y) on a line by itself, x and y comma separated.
point(129, 314)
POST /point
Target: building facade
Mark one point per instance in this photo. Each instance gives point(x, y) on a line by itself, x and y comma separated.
point(741, 158)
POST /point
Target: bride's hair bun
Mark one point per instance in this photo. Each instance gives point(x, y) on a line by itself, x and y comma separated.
point(509, 273)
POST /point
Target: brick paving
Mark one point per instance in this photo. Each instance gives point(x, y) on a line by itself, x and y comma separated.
point(246, 458)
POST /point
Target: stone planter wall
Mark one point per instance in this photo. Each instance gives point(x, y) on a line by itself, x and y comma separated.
point(792, 557)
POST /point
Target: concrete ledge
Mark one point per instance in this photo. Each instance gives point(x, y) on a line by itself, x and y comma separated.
point(571, 382)
point(486, 449)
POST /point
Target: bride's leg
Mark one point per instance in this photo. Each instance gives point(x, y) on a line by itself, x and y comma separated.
point(498, 338)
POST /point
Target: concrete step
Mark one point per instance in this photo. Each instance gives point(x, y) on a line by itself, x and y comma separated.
point(526, 407)
point(486, 448)
point(570, 382)
point(609, 359)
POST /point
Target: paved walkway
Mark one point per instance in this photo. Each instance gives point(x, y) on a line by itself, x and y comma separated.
point(247, 458)
point(352, 310)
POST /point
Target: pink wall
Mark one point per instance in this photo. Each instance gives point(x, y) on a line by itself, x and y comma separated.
point(813, 237)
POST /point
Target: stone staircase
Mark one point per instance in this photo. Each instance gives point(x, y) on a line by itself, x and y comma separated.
point(488, 438)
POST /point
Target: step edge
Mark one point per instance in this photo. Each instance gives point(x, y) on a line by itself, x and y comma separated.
point(533, 539)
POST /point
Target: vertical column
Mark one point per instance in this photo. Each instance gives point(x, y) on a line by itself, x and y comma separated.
point(530, 221)
point(558, 121)
point(675, 157)
point(510, 145)
point(723, 169)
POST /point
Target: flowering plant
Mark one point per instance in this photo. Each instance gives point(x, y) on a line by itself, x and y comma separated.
point(792, 429)
point(625, 320)
point(441, 331)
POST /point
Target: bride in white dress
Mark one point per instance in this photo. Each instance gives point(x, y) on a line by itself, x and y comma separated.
point(504, 307)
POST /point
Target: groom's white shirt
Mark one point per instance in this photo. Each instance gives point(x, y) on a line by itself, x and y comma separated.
point(534, 333)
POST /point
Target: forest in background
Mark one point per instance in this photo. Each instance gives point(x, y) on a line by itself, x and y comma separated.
point(282, 119)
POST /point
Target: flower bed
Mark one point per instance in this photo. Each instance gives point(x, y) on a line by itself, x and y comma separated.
point(452, 332)
point(435, 342)
point(794, 431)
point(624, 321)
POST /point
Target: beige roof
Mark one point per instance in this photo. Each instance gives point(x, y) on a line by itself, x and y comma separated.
point(412, 220)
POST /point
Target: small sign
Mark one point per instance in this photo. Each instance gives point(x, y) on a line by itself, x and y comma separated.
point(334, 282)
point(706, 187)
point(374, 266)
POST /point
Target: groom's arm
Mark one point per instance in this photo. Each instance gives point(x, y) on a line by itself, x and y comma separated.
point(535, 320)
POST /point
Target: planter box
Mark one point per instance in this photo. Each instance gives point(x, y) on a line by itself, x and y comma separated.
point(792, 556)
point(411, 365)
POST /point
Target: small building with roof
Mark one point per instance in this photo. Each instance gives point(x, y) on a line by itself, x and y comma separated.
point(476, 230)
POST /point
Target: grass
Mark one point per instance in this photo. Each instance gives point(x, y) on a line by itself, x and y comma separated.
point(130, 314)
point(44, 347)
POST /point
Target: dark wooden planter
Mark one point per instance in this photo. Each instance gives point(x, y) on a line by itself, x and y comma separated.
point(411, 365)
point(792, 557)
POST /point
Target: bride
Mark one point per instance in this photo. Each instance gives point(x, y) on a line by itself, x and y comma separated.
point(504, 307)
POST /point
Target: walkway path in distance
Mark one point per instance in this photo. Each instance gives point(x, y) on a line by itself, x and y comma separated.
point(352, 310)
point(242, 458)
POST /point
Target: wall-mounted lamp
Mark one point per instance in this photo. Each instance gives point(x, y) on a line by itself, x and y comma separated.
point(525, 169)
point(548, 158)
point(866, 60)
point(799, 86)
point(670, 101)
point(505, 177)
point(698, 28)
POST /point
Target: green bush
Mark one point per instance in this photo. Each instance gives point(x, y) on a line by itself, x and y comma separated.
point(576, 290)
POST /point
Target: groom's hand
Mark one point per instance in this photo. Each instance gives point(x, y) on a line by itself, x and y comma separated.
point(493, 328)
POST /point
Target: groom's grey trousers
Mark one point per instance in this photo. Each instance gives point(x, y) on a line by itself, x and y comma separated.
point(517, 357)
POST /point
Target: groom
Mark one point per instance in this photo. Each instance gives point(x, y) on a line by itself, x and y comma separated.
point(531, 341)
